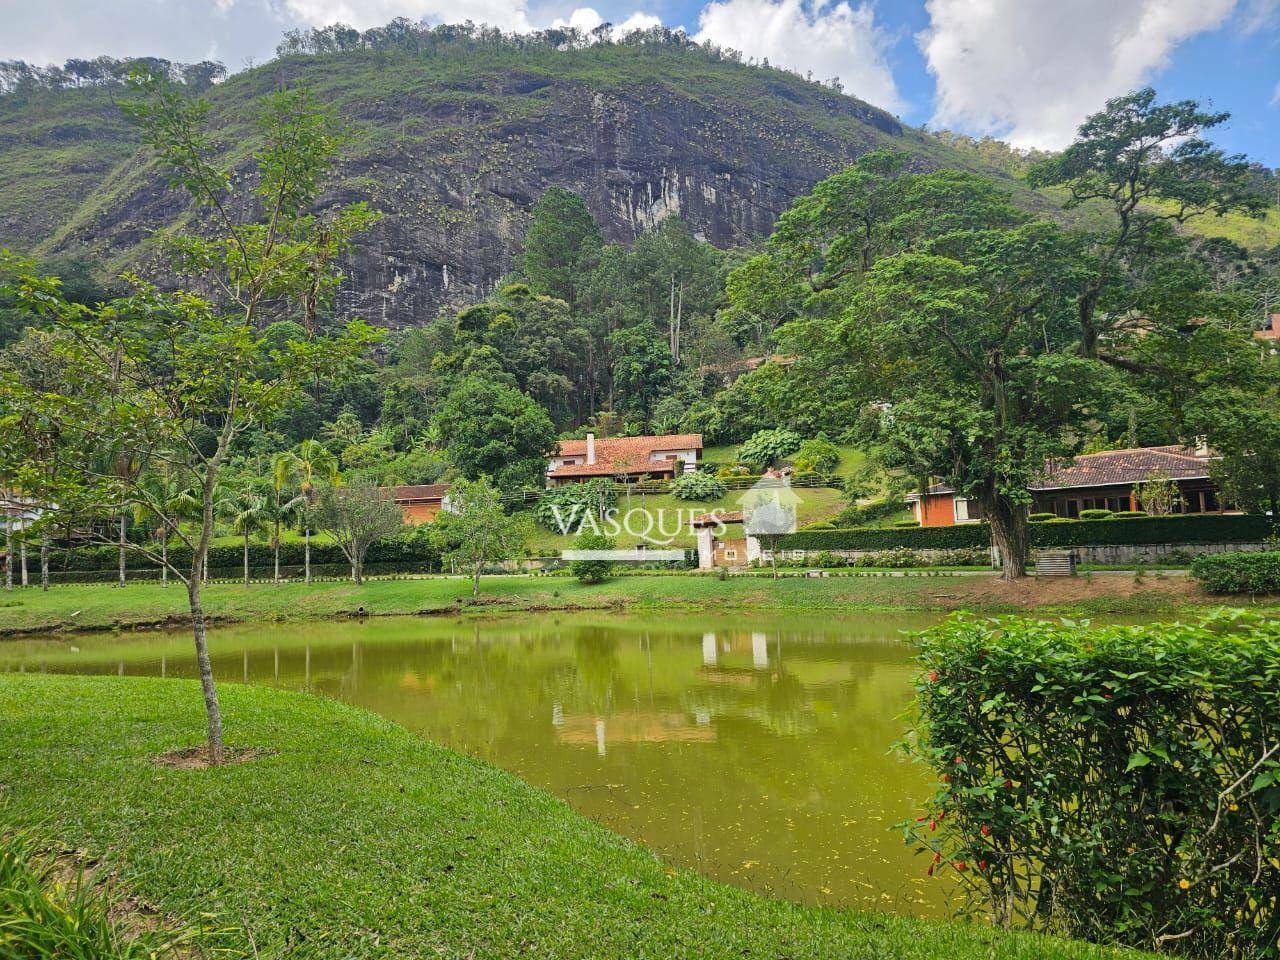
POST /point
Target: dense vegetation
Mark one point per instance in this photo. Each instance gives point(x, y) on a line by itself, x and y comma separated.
point(1118, 783)
point(1239, 572)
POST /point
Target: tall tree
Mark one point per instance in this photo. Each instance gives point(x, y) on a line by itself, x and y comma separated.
point(491, 429)
point(179, 377)
point(562, 245)
point(478, 531)
point(315, 465)
point(1148, 165)
point(357, 515)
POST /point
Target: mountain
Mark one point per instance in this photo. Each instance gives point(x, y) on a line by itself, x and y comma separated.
point(456, 142)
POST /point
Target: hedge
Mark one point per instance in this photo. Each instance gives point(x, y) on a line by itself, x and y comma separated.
point(1193, 528)
point(1239, 572)
point(404, 551)
point(1117, 784)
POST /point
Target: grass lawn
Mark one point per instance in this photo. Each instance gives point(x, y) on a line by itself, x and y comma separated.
point(144, 603)
point(355, 839)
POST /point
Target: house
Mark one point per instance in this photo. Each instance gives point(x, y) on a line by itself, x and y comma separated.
point(1271, 331)
point(420, 502)
point(722, 541)
point(1091, 481)
point(639, 458)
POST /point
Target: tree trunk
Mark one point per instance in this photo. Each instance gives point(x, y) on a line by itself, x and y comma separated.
point(275, 546)
point(44, 564)
point(164, 558)
point(1009, 536)
point(246, 558)
point(212, 710)
point(8, 552)
point(306, 553)
point(475, 581)
point(357, 573)
point(22, 559)
point(122, 548)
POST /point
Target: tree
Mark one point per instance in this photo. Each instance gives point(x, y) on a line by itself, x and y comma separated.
point(562, 245)
point(357, 516)
point(592, 571)
point(491, 429)
point(178, 377)
point(1151, 166)
point(246, 508)
point(283, 466)
point(314, 464)
point(477, 530)
point(767, 448)
point(1157, 495)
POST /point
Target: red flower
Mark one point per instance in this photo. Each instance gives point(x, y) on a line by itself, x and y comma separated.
point(1008, 784)
point(982, 864)
point(933, 676)
point(946, 778)
point(930, 872)
point(960, 865)
point(986, 831)
point(933, 825)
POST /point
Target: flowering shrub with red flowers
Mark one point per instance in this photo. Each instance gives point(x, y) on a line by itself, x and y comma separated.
point(1118, 784)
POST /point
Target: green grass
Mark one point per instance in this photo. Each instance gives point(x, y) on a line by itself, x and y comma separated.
point(852, 458)
point(97, 606)
point(355, 839)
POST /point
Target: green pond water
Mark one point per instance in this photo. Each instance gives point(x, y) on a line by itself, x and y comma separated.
point(757, 750)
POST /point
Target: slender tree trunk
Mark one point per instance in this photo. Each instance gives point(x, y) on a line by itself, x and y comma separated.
point(122, 550)
point(1008, 535)
point(8, 551)
point(164, 558)
point(275, 546)
point(211, 707)
point(44, 563)
point(357, 571)
point(22, 558)
point(306, 553)
point(475, 581)
point(246, 558)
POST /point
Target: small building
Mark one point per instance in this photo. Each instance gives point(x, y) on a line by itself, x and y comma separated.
point(1091, 481)
point(638, 458)
point(723, 541)
point(1271, 331)
point(420, 502)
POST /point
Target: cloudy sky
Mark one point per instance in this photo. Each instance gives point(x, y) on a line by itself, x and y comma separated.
point(1024, 70)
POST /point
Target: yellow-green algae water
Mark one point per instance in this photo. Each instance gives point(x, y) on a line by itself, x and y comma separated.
point(757, 749)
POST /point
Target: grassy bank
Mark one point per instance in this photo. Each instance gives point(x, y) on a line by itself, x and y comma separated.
point(98, 606)
point(356, 839)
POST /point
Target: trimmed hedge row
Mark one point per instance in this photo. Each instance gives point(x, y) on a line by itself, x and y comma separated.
point(1239, 572)
point(402, 551)
point(1194, 528)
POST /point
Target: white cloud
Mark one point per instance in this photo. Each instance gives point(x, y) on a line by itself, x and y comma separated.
point(1031, 70)
point(586, 19)
point(831, 39)
point(1258, 15)
point(362, 14)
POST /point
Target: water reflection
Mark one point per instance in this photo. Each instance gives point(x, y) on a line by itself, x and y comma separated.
point(755, 750)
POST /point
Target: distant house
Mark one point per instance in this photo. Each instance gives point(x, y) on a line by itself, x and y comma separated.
point(1091, 481)
point(1271, 331)
point(420, 502)
point(663, 457)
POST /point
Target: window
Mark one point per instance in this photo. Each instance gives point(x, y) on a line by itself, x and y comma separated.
point(731, 554)
point(967, 511)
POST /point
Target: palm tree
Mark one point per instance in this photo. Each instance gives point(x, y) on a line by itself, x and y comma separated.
point(313, 462)
point(163, 494)
point(283, 466)
point(246, 507)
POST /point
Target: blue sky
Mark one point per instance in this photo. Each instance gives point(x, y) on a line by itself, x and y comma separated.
point(1024, 70)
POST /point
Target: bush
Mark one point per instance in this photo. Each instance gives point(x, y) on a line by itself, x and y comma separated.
point(820, 525)
point(906, 522)
point(768, 447)
point(816, 456)
point(857, 516)
point(593, 571)
point(1115, 784)
point(1128, 514)
point(561, 508)
point(697, 486)
point(899, 559)
point(1095, 514)
point(1238, 572)
point(1040, 517)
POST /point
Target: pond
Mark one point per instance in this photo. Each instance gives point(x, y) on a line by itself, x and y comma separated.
point(757, 750)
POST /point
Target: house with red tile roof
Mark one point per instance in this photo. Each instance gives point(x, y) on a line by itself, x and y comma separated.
point(1091, 481)
point(419, 502)
point(661, 457)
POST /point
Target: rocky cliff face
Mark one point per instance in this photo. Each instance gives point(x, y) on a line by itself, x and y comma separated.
point(455, 154)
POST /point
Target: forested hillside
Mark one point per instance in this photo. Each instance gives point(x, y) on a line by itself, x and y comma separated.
point(458, 132)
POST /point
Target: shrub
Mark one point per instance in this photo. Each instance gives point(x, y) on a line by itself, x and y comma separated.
point(816, 456)
point(561, 508)
point(1238, 572)
point(768, 447)
point(828, 559)
point(733, 471)
point(856, 516)
point(1040, 517)
point(906, 522)
point(697, 486)
point(963, 558)
point(593, 571)
point(900, 559)
point(1115, 784)
point(1128, 514)
point(820, 525)
point(1094, 514)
